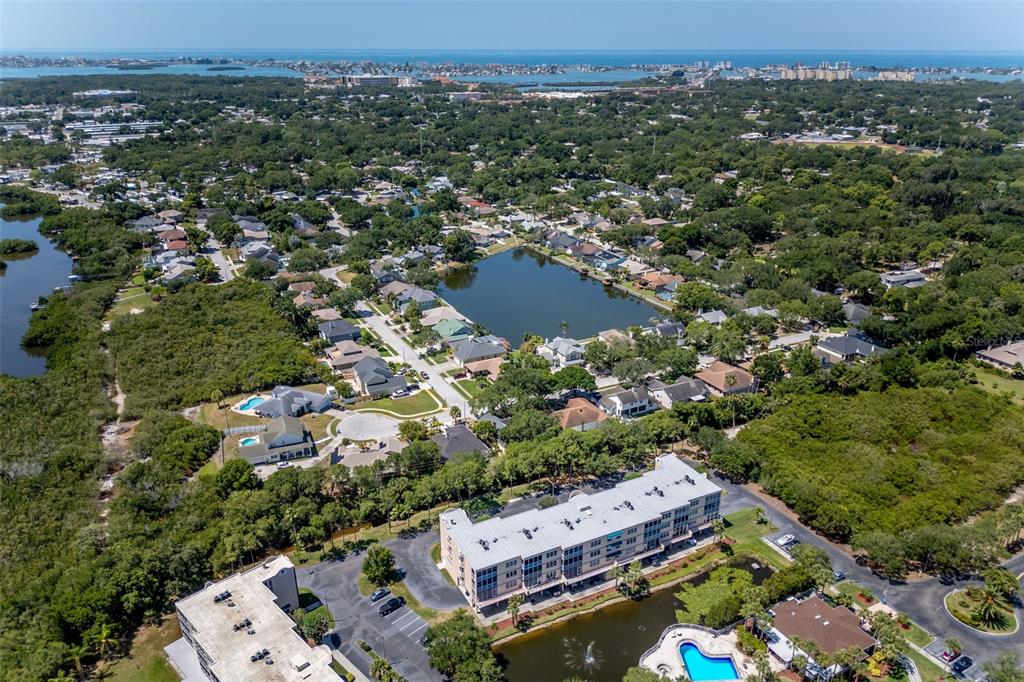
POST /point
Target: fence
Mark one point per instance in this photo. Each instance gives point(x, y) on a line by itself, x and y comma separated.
point(238, 430)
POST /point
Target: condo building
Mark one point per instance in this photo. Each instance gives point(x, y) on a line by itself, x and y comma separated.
point(239, 629)
point(578, 540)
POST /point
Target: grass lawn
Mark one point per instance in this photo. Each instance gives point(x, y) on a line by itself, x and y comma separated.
point(130, 291)
point(125, 306)
point(742, 528)
point(854, 590)
point(225, 417)
point(918, 636)
point(469, 387)
point(423, 402)
point(962, 606)
point(307, 597)
point(995, 383)
point(145, 661)
point(929, 671)
point(138, 280)
point(317, 424)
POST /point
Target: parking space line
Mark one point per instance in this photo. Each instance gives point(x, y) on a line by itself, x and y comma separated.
point(410, 623)
point(408, 613)
point(413, 633)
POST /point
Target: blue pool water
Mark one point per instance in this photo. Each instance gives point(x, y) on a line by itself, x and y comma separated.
point(701, 668)
point(251, 440)
point(252, 402)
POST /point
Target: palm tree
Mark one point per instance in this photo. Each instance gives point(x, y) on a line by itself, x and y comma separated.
point(103, 640)
point(759, 515)
point(455, 412)
point(989, 611)
point(76, 654)
point(718, 526)
point(730, 381)
point(514, 602)
point(953, 645)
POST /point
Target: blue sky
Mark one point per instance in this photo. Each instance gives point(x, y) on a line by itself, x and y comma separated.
point(918, 25)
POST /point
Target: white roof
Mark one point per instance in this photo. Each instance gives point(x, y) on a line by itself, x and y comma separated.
point(230, 649)
point(591, 515)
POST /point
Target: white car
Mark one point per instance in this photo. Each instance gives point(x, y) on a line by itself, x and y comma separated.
point(283, 465)
point(785, 540)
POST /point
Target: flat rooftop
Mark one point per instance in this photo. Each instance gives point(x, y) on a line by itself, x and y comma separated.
point(273, 630)
point(585, 517)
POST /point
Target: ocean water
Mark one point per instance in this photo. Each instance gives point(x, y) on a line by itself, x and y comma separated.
point(598, 57)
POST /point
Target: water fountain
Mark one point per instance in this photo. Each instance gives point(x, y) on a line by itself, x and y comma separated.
point(579, 657)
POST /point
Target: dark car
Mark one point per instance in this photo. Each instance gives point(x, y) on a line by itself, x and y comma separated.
point(839, 576)
point(379, 593)
point(961, 665)
point(391, 605)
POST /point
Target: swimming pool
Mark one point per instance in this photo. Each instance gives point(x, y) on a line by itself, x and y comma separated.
point(252, 402)
point(702, 668)
point(251, 440)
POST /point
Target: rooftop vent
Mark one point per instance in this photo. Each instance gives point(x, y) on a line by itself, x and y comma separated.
point(689, 480)
point(629, 505)
point(484, 544)
point(527, 533)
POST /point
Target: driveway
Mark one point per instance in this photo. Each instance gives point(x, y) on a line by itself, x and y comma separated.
point(921, 600)
point(409, 355)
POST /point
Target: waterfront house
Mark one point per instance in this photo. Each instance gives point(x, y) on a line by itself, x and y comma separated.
point(1006, 357)
point(421, 297)
point(561, 352)
point(452, 331)
point(580, 414)
point(583, 250)
point(458, 438)
point(294, 402)
point(850, 347)
point(634, 268)
point(667, 292)
point(476, 348)
point(682, 390)
point(434, 315)
point(627, 403)
point(284, 438)
point(334, 331)
point(557, 240)
point(721, 378)
point(374, 378)
point(604, 259)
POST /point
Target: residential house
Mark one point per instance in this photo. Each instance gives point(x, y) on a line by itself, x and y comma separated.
point(584, 250)
point(452, 331)
point(580, 414)
point(715, 317)
point(604, 259)
point(721, 378)
point(667, 330)
point(561, 352)
point(458, 438)
point(627, 403)
point(682, 390)
point(394, 289)
point(374, 378)
point(656, 280)
point(761, 311)
point(306, 299)
point(856, 313)
point(385, 273)
point(179, 272)
point(1007, 356)
point(907, 279)
point(634, 268)
point(849, 347)
point(615, 336)
point(477, 348)
point(261, 251)
point(667, 292)
point(144, 224)
point(334, 331)
point(294, 402)
point(170, 216)
point(326, 314)
point(434, 315)
point(490, 368)
point(299, 287)
point(284, 438)
point(557, 240)
point(345, 355)
point(421, 297)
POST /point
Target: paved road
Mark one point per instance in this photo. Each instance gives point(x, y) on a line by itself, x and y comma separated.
point(215, 254)
point(396, 637)
point(408, 354)
point(921, 600)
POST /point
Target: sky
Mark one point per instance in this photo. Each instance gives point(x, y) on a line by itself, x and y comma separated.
point(219, 25)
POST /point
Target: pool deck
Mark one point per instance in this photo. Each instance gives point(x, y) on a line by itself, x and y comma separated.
point(664, 657)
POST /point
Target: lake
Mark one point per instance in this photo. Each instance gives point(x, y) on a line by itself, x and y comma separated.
point(26, 278)
point(616, 635)
point(519, 291)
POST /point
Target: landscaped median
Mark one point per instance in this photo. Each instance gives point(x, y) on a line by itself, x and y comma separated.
point(982, 609)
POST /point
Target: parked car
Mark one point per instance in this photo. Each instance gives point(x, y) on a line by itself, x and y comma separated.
point(785, 540)
point(379, 593)
point(391, 605)
point(283, 465)
point(838, 575)
point(400, 394)
point(961, 665)
point(948, 655)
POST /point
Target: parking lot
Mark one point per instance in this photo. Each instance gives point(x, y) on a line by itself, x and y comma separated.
point(396, 636)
